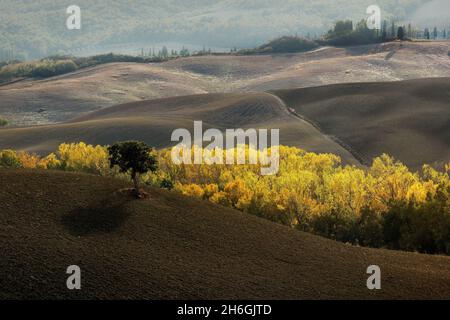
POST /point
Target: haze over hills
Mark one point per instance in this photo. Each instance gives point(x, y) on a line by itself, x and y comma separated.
point(37, 28)
point(65, 97)
point(122, 246)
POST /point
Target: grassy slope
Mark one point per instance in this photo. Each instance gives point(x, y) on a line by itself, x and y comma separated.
point(408, 119)
point(171, 247)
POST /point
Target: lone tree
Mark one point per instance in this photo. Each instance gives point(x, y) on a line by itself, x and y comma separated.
point(133, 157)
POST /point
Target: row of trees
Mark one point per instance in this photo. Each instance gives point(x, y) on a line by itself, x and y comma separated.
point(164, 53)
point(409, 32)
point(345, 33)
point(385, 205)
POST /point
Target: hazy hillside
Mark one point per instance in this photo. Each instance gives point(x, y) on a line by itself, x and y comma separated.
point(173, 247)
point(68, 96)
point(37, 28)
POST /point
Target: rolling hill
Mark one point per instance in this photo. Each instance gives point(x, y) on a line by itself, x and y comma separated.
point(173, 247)
point(153, 121)
point(358, 121)
point(408, 119)
point(65, 97)
point(355, 119)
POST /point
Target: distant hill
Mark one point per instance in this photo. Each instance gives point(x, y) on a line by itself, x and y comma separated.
point(67, 96)
point(174, 247)
point(36, 29)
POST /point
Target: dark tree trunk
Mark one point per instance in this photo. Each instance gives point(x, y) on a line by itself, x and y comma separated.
point(135, 182)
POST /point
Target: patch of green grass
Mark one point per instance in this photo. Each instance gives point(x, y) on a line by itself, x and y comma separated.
point(3, 122)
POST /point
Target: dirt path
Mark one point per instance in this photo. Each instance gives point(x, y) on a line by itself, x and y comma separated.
point(293, 113)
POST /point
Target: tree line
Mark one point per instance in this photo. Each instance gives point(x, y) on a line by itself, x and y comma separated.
point(385, 205)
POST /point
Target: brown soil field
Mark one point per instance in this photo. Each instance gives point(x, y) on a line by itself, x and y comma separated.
point(64, 97)
point(409, 120)
point(359, 121)
point(153, 121)
point(173, 247)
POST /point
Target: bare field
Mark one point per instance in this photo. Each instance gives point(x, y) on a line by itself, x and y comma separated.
point(122, 246)
point(65, 97)
point(153, 121)
point(409, 120)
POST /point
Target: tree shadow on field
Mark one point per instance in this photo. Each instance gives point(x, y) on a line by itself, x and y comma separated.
point(102, 217)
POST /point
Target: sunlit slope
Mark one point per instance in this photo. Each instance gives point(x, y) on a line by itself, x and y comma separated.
point(327, 65)
point(409, 120)
point(64, 97)
point(154, 121)
point(173, 247)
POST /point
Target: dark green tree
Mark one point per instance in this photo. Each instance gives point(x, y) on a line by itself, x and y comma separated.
point(384, 30)
point(344, 26)
point(401, 33)
point(393, 30)
point(134, 158)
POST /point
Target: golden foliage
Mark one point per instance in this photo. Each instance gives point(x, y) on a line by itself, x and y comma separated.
point(307, 187)
point(310, 191)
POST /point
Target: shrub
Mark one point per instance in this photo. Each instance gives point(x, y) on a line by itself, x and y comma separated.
point(369, 229)
point(57, 65)
point(336, 224)
point(9, 159)
point(286, 44)
point(83, 158)
point(191, 190)
point(424, 228)
point(166, 184)
point(3, 122)
point(28, 161)
point(50, 162)
point(53, 68)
